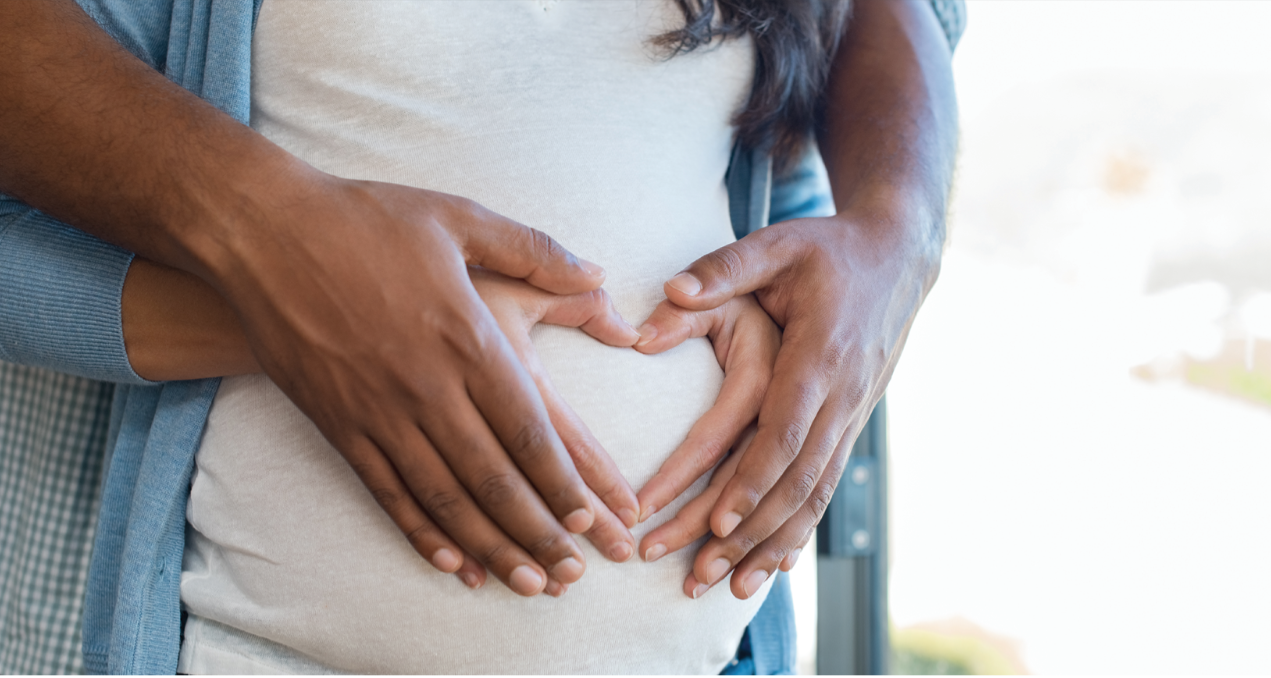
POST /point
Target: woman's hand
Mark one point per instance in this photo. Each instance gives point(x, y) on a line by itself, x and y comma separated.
point(517, 306)
point(746, 342)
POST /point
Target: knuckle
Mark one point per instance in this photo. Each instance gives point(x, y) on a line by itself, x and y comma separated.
point(835, 357)
point(595, 300)
point(444, 507)
point(802, 485)
point(750, 494)
point(806, 394)
point(790, 441)
point(745, 543)
point(530, 443)
point(498, 490)
point(727, 262)
point(495, 553)
point(820, 499)
point(418, 535)
point(543, 246)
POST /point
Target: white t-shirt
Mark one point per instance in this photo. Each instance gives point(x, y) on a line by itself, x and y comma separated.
point(559, 114)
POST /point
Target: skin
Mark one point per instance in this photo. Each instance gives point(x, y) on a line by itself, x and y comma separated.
point(845, 289)
point(306, 262)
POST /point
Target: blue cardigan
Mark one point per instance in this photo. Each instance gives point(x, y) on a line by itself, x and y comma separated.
point(60, 293)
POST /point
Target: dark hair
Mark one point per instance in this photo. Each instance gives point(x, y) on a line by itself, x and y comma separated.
point(794, 43)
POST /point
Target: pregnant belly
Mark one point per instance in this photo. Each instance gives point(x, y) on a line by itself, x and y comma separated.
point(288, 546)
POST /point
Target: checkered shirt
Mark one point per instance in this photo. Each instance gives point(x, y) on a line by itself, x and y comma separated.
point(52, 437)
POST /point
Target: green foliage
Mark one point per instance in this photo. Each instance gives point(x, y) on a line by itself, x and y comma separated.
point(1237, 381)
point(931, 653)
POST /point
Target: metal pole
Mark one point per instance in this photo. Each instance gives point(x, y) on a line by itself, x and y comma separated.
point(852, 629)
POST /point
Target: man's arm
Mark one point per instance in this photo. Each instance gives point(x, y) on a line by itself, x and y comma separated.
point(844, 288)
point(353, 295)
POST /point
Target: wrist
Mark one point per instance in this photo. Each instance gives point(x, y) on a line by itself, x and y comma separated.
point(902, 226)
point(176, 327)
point(227, 204)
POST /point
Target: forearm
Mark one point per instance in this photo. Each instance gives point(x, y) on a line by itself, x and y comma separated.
point(889, 129)
point(177, 327)
point(96, 138)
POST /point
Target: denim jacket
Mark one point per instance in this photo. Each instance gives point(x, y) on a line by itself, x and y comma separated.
point(60, 292)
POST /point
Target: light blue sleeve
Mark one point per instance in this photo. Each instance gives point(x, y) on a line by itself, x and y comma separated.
point(60, 293)
point(952, 17)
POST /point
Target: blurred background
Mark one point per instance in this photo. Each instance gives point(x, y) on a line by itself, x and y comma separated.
point(1080, 427)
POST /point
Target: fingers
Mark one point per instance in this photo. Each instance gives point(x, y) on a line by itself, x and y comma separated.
point(392, 495)
point(753, 563)
point(472, 573)
point(518, 306)
point(594, 464)
point(610, 536)
point(536, 512)
point(500, 244)
point(593, 312)
point(692, 521)
point(793, 419)
point(792, 558)
point(732, 270)
point(783, 548)
point(748, 365)
point(508, 400)
point(435, 490)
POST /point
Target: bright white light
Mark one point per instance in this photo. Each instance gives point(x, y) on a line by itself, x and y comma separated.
point(1255, 313)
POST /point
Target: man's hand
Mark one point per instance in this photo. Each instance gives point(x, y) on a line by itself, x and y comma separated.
point(845, 289)
point(364, 315)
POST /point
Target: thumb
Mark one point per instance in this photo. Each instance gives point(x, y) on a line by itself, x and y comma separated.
point(518, 251)
point(730, 271)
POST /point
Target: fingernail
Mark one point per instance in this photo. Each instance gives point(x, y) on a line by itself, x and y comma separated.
point(634, 332)
point(568, 570)
point(729, 523)
point(656, 551)
point(470, 580)
point(699, 590)
point(446, 560)
point(554, 588)
point(525, 580)
point(647, 333)
point(686, 283)
point(578, 521)
point(628, 517)
point(592, 268)
point(717, 570)
point(620, 552)
point(794, 557)
point(753, 581)
point(648, 511)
